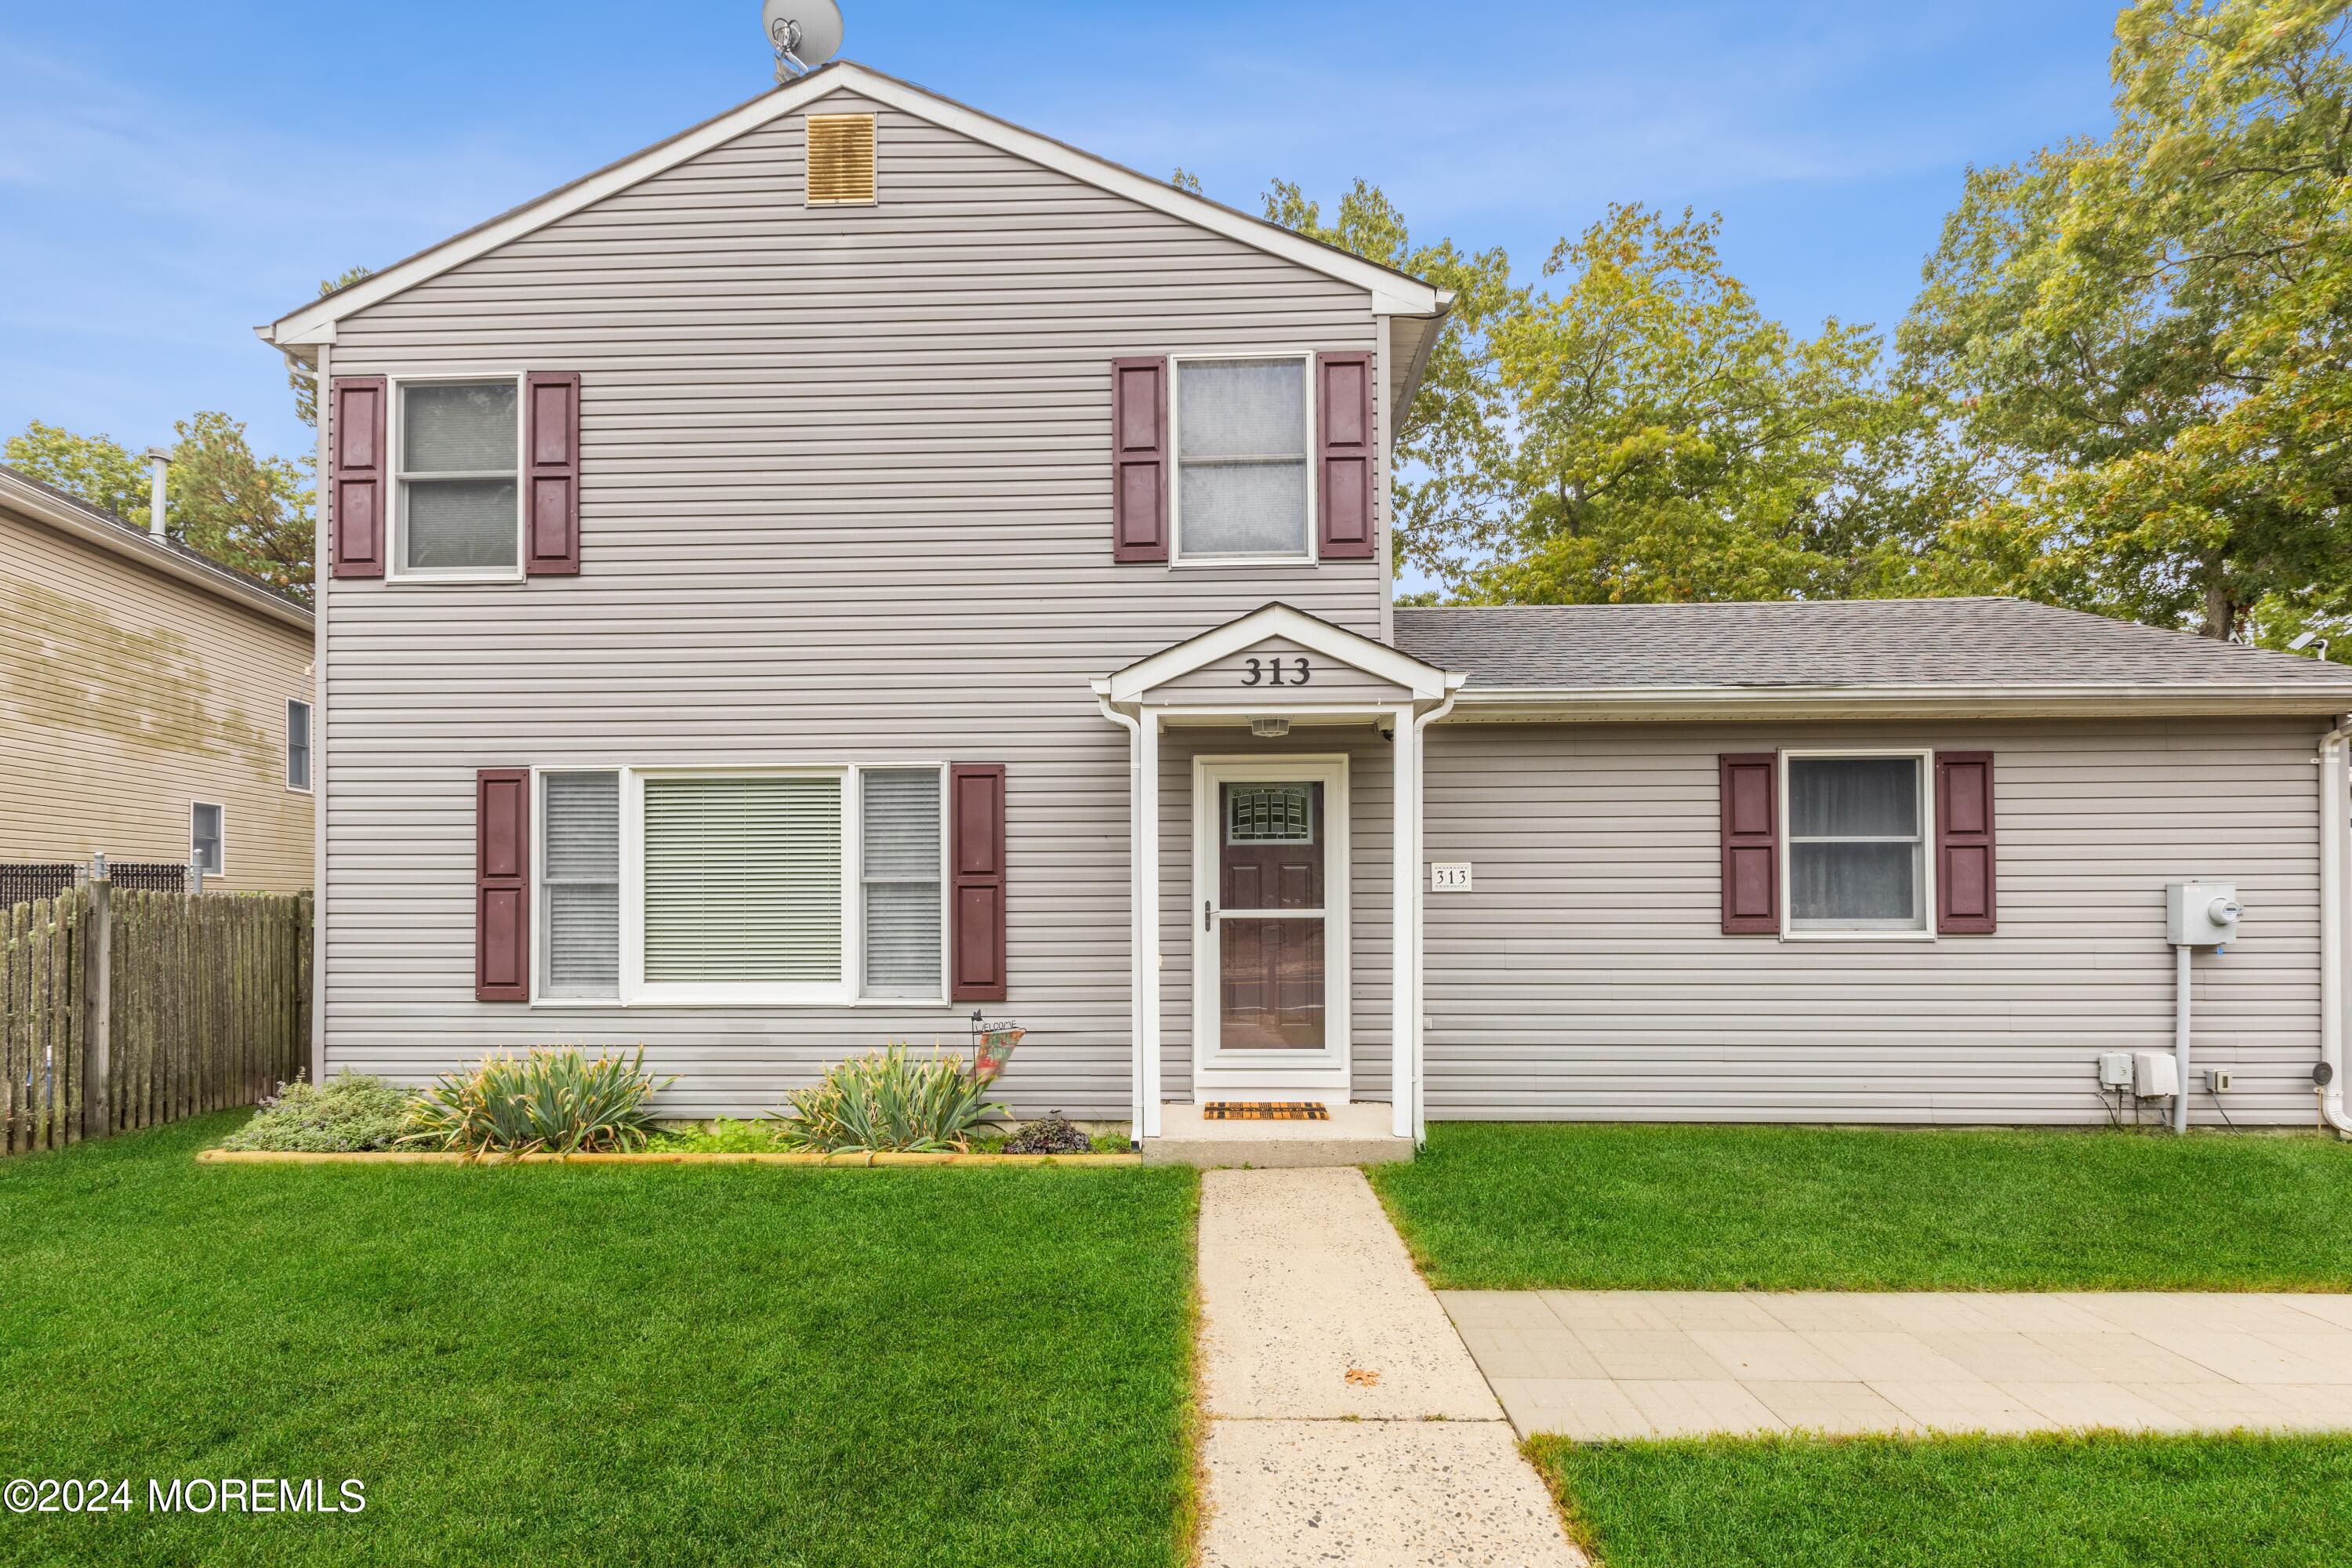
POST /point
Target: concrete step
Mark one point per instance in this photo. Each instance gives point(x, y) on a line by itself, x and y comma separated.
point(1355, 1134)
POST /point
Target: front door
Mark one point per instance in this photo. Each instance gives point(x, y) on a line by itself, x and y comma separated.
point(1272, 937)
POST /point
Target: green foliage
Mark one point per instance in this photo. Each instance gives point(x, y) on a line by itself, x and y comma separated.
point(1526, 1207)
point(220, 498)
point(2146, 333)
point(349, 1113)
point(549, 1102)
point(2101, 1499)
point(98, 469)
point(724, 1136)
point(888, 1101)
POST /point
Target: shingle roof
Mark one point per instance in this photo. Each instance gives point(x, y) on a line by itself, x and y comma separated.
point(1964, 644)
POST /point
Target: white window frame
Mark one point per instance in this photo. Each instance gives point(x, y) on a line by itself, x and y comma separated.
point(1926, 759)
point(221, 811)
point(1176, 362)
point(635, 990)
point(310, 746)
point(396, 544)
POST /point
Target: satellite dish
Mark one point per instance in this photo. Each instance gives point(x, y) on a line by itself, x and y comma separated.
point(804, 33)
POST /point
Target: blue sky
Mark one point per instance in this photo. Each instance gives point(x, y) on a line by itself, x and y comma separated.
point(170, 175)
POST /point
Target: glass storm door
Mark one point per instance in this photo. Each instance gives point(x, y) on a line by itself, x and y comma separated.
point(1270, 917)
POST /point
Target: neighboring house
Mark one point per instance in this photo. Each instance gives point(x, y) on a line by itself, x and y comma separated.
point(825, 574)
point(154, 705)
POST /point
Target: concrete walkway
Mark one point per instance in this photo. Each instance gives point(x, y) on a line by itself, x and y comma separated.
point(1601, 1363)
point(1347, 1424)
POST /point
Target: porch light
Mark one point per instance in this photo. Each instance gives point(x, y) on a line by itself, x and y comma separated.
point(1269, 729)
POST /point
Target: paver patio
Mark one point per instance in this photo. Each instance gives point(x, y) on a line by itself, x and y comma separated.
point(1636, 1364)
point(1347, 1424)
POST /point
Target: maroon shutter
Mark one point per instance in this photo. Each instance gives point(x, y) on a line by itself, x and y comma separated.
point(552, 474)
point(1964, 855)
point(355, 449)
point(976, 856)
point(1751, 823)
point(502, 885)
point(1139, 458)
point(1347, 455)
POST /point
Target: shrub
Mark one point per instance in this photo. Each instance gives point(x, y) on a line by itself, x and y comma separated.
point(1049, 1134)
point(550, 1100)
point(350, 1113)
point(724, 1136)
point(888, 1102)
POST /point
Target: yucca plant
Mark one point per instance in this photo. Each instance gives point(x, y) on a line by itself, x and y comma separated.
point(550, 1100)
point(889, 1102)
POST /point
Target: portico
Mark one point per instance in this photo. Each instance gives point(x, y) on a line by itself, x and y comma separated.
point(1274, 774)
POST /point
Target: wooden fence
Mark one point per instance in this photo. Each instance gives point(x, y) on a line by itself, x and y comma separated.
point(122, 1009)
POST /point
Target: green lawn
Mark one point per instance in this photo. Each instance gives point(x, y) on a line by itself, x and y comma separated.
point(1501, 1206)
point(2100, 1501)
point(712, 1364)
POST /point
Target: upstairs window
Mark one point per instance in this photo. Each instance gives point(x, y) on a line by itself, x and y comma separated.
point(1241, 490)
point(298, 744)
point(457, 508)
point(1857, 843)
point(206, 839)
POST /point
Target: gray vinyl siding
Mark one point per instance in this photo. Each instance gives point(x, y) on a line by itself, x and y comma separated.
point(1587, 978)
point(1371, 890)
point(845, 498)
point(1219, 684)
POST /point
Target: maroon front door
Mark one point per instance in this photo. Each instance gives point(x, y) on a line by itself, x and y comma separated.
point(1270, 858)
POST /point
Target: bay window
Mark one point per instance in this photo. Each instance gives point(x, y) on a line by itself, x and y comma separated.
point(1857, 831)
point(773, 886)
point(1243, 477)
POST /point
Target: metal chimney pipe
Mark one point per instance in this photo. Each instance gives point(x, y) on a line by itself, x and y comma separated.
point(161, 459)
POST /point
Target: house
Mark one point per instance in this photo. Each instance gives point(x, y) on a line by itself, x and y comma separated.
point(155, 706)
point(860, 563)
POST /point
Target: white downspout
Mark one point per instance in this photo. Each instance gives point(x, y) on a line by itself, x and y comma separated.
point(1134, 729)
point(322, 561)
point(1420, 891)
point(2334, 796)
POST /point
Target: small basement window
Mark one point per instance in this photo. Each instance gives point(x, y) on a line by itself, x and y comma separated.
point(1857, 857)
point(1242, 490)
point(457, 451)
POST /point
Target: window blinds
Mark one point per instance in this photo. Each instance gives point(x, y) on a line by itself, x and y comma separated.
point(742, 879)
point(901, 876)
point(582, 873)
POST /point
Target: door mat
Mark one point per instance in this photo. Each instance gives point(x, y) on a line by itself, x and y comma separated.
point(1265, 1110)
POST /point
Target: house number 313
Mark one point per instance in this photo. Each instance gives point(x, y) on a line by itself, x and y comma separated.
point(1270, 671)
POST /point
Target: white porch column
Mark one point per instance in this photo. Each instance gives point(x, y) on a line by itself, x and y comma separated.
point(1405, 810)
point(1146, 950)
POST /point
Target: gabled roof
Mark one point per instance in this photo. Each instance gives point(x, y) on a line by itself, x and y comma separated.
point(1337, 643)
point(20, 492)
point(2005, 654)
point(1394, 292)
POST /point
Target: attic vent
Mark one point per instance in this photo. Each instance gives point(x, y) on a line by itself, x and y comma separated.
point(840, 160)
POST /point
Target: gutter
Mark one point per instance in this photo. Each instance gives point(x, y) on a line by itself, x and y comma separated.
point(2335, 800)
point(1571, 704)
point(1134, 727)
point(1419, 1089)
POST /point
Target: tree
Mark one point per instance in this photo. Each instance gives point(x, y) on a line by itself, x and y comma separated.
point(306, 391)
point(1448, 444)
point(244, 510)
point(2144, 335)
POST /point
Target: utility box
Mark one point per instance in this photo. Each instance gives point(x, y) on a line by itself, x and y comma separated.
point(2114, 1069)
point(2154, 1075)
point(2200, 914)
